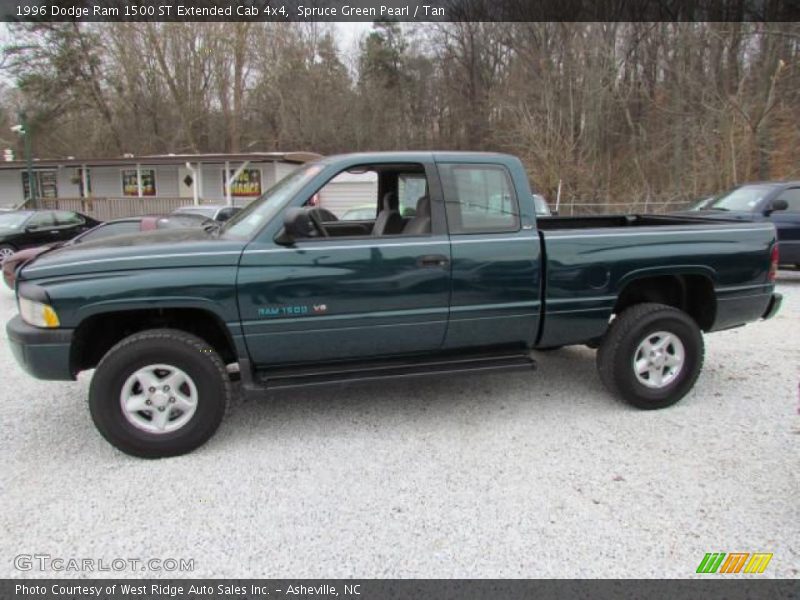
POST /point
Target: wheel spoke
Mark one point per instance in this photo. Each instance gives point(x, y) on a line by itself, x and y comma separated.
point(673, 360)
point(147, 379)
point(183, 401)
point(136, 403)
point(656, 375)
point(175, 380)
point(160, 419)
point(642, 366)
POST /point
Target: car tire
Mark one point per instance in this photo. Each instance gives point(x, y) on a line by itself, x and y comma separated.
point(159, 393)
point(651, 355)
point(6, 250)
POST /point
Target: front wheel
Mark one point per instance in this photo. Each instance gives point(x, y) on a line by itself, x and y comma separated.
point(159, 393)
point(651, 355)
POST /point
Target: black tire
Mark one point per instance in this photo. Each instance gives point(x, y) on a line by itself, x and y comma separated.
point(618, 350)
point(171, 347)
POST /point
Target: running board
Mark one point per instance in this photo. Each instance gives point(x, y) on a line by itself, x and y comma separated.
point(352, 372)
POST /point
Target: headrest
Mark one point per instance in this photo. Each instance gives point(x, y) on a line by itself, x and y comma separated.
point(424, 207)
point(389, 202)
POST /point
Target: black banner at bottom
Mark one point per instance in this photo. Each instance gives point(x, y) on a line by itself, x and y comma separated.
point(733, 588)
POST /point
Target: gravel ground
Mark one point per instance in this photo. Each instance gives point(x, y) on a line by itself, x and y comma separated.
point(523, 475)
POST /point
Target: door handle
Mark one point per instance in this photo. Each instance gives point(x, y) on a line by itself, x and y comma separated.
point(55, 232)
point(432, 260)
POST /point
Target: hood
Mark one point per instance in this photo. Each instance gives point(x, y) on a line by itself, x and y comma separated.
point(163, 248)
point(4, 231)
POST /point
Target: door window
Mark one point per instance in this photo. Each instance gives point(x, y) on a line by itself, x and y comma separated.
point(479, 199)
point(42, 220)
point(65, 218)
point(373, 201)
point(792, 197)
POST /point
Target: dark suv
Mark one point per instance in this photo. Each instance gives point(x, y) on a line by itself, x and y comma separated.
point(775, 201)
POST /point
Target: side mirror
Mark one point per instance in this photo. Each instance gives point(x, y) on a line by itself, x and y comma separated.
point(29, 228)
point(296, 224)
point(776, 205)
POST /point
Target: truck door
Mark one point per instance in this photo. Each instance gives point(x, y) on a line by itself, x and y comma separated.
point(787, 222)
point(495, 253)
point(370, 288)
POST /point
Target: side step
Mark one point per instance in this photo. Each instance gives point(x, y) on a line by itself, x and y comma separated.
point(354, 372)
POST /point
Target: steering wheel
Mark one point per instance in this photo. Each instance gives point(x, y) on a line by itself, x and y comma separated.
point(317, 223)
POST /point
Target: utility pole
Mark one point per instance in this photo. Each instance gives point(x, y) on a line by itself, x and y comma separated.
point(24, 130)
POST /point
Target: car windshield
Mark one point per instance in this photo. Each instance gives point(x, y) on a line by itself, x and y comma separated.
point(745, 198)
point(250, 219)
point(13, 220)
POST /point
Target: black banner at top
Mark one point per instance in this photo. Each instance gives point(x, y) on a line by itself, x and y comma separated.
point(399, 10)
point(405, 589)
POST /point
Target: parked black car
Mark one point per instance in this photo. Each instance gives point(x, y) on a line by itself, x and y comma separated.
point(776, 201)
point(25, 228)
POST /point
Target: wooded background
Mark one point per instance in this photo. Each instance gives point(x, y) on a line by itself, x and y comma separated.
point(618, 112)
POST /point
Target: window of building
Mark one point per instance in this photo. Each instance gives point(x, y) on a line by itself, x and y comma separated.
point(479, 199)
point(130, 182)
point(46, 183)
point(246, 185)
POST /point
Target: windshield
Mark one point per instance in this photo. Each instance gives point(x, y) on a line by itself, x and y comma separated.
point(250, 219)
point(13, 220)
point(745, 198)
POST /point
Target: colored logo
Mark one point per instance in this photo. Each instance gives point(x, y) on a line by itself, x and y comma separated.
point(735, 562)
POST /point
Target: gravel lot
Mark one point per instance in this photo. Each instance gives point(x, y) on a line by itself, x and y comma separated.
point(523, 475)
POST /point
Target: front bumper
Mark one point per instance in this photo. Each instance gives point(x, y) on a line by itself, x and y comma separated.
point(773, 307)
point(43, 353)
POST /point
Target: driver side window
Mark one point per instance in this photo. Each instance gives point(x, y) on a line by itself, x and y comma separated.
point(792, 197)
point(372, 201)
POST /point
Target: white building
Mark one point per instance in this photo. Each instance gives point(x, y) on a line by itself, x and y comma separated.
point(116, 187)
point(166, 180)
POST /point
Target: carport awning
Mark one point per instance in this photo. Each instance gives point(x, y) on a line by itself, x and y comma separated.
point(165, 159)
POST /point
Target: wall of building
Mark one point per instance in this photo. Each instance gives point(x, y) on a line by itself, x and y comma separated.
point(346, 191)
point(106, 181)
point(10, 189)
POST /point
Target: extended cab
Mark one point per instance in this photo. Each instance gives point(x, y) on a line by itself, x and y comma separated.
point(287, 293)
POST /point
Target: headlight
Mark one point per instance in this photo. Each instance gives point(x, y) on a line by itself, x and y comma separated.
point(37, 314)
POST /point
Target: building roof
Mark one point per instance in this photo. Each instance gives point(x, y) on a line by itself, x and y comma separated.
point(166, 159)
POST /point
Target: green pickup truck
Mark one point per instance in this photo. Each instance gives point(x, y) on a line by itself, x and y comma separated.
point(286, 294)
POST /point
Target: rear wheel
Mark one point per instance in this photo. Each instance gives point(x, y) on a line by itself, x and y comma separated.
point(651, 355)
point(159, 393)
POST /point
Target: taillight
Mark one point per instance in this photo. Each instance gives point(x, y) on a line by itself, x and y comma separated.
point(773, 264)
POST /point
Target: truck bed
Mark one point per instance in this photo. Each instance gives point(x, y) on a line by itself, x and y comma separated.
point(589, 261)
point(609, 221)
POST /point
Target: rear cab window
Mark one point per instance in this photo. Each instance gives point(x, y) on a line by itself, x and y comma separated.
point(479, 198)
